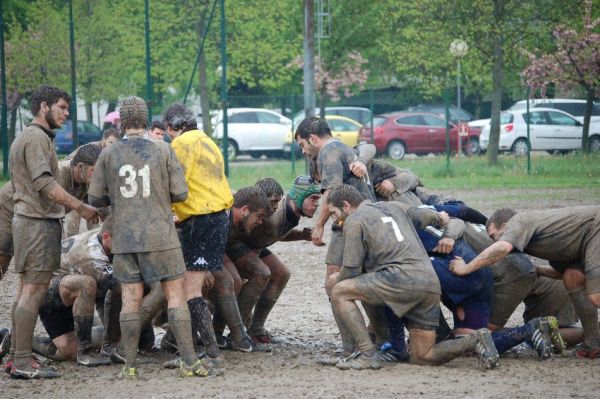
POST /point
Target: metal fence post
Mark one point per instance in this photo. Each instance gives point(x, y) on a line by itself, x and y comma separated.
point(148, 74)
point(372, 105)
point(447, 107)
point(4, 114)
point(73, 77)
point(225, 143)
point(528, 138)
point(292, 148)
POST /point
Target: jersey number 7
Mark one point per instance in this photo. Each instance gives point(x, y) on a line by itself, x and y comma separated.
point(397, 232)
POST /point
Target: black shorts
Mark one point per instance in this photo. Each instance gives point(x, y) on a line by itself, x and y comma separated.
point(54, 315)
point(203, 239)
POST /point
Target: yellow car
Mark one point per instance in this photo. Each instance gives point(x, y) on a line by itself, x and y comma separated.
point(344, 129)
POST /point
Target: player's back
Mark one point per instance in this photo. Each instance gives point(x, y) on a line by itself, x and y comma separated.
point(142, 176)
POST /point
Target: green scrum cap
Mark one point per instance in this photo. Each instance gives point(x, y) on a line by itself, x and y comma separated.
point(303, 187)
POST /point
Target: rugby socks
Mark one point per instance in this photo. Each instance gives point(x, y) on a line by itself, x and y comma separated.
point(396, 329)
point(45, 347)
point(447, 350)
point(229, 313)
point(353, 319)
point(130, 336)
point(345, 335)
point(180, 322)
point(202, 324)
point(510, 337)
point(112, 309)
point(588, 316)
point(13, 336)
point(261, 312)
point(25, 324)
point(83, 331)
point(248, 297)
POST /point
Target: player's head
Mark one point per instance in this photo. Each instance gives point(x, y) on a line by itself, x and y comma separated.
point(496, 224)
point(133, 114)
point(305, 193)
point(272, 190)
point(51, 104)
point(310, 135)
point(84, 161)
point(178, 119)
point(342, 201)
point(251, 205)
point(106, 235)
point(110, 136)
point(157, 130)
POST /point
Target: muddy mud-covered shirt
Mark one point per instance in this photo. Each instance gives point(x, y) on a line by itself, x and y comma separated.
point(333, 164)
point(83, 254)
point(141, 177)
point(557, 235)
point(273, 229)
point(32, 155)
point(379, 235)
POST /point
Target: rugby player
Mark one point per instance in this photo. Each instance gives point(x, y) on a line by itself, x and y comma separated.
point(140, 179)
point(39, 204)
point(385, 264)
point(569, 239)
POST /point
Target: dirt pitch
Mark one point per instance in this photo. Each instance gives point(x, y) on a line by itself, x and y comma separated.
point(303, 320)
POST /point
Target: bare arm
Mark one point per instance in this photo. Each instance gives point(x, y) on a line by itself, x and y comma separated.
point(547, 271)
point(298, 235)
point(488, 256)
point(54, 192)
point(321, 219)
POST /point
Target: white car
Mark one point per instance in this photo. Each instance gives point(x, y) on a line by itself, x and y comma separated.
point(574, 107)
point(549, 130)
point(254, 131)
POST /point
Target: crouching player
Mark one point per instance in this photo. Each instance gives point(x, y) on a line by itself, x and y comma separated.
point(385, 264)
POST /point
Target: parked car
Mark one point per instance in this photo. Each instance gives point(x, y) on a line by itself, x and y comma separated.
point(573, 107)
point(86, 133)
point(549, 129)
point(456, 114)
point(400, 133)
point(345, 129)
point(254, 131)
point(361, 115)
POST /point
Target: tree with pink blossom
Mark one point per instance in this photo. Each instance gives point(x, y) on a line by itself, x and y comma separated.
point(575, 62)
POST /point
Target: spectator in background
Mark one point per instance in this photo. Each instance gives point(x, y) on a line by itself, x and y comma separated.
point(156, 131)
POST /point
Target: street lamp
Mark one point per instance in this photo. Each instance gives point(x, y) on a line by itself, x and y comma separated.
point(458, 49)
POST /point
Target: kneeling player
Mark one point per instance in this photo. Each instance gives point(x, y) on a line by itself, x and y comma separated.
point(381, 240)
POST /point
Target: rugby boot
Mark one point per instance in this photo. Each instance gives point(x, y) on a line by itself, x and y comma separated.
point(90, 358)
point(214, 365)
point(585, 351)
point(558, 344)
point(106, 348)
point(33, 372)
point(4, 342)
point(390, 355)
point(8, 365)
point(128, 373)
point(540, 338)
point(487, 355)
point(195, 370)
point(262, 336)
point(246, 345)
point(86, 355)
point(359, 361)
point(223, 342)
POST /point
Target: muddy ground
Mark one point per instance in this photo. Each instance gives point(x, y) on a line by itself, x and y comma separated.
point(302, 319)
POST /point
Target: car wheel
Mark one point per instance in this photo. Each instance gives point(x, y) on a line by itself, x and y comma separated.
point(594, 144)
point(396, 150)
point(232, 150)
point(519, 147)
point(473, 148)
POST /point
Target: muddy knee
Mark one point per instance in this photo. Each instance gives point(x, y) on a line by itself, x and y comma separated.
point(573, 279)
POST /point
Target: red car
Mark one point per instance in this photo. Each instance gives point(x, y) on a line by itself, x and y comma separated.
point(397, 134)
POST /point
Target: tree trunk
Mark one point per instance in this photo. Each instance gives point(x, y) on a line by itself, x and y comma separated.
point(202, 75)
point(497, 81)
point(585, 137)
point(88, 112)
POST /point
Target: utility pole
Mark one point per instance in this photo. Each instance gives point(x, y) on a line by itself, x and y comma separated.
point(309, 59)
point(73, 77)
point(148, 75)
point(225, 143)
point(4, 112)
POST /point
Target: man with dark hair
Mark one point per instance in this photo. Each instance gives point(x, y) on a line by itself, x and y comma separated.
point(385, 264)
point(157, 131)
point(134, 176)
point(39, 204)
point(74, 177)
point(272, 189)
point(251, 252)
point(203, 221)
point(333, 161)
point(569, 238)
point(109, 136)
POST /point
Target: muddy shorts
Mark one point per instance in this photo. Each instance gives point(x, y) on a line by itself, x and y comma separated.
point(148, 267)
point(549, 297)
point(203, 239)
point(54, 315)
point(507, 296)
point(335, 250)
point(6, 237)
point(591, 257)
point(237, 249)
point(36, 245)
point(419, 308)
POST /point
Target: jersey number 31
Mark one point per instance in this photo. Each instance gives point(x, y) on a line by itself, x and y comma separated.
point(130, 188)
